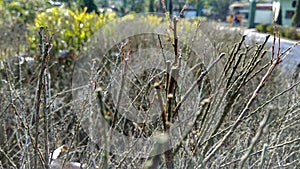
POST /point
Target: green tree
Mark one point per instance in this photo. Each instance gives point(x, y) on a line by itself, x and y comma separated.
point(91, 6)
point(296, 17)
point(132, 5)
point(69, 3)
point(220, 7)
point(138, 5)
point(105, 3)
point(151, 6)
point(168, 4)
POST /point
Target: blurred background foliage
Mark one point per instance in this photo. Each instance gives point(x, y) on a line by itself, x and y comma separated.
point(20, 10)
point(287, 32)
point(71, 28)
point(71, 23)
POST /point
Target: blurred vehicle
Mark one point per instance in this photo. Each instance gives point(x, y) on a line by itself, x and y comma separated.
point(239, 13)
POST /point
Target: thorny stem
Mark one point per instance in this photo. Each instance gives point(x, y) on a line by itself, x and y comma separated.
point(123, 74)
point(272, 99)
point(8, 158)
point(162, 49)
point(175, 45)
point(105, 140)
point(171, 87)
point(265, 149)
point(246, 117)
point(45, 53)
point(159, 96)
point(166, 12)
point(38, 101)
point(244, 112)
point(254, 140)
point(262, 157)
point(204, 104)
point(45, 88)
point(182, 10)
point(72, 141)
point(199, 79)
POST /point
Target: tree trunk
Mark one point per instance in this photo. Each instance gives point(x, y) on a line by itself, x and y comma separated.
point(296, 17)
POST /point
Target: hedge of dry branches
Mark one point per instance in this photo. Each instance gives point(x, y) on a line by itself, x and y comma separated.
point(247, 113)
